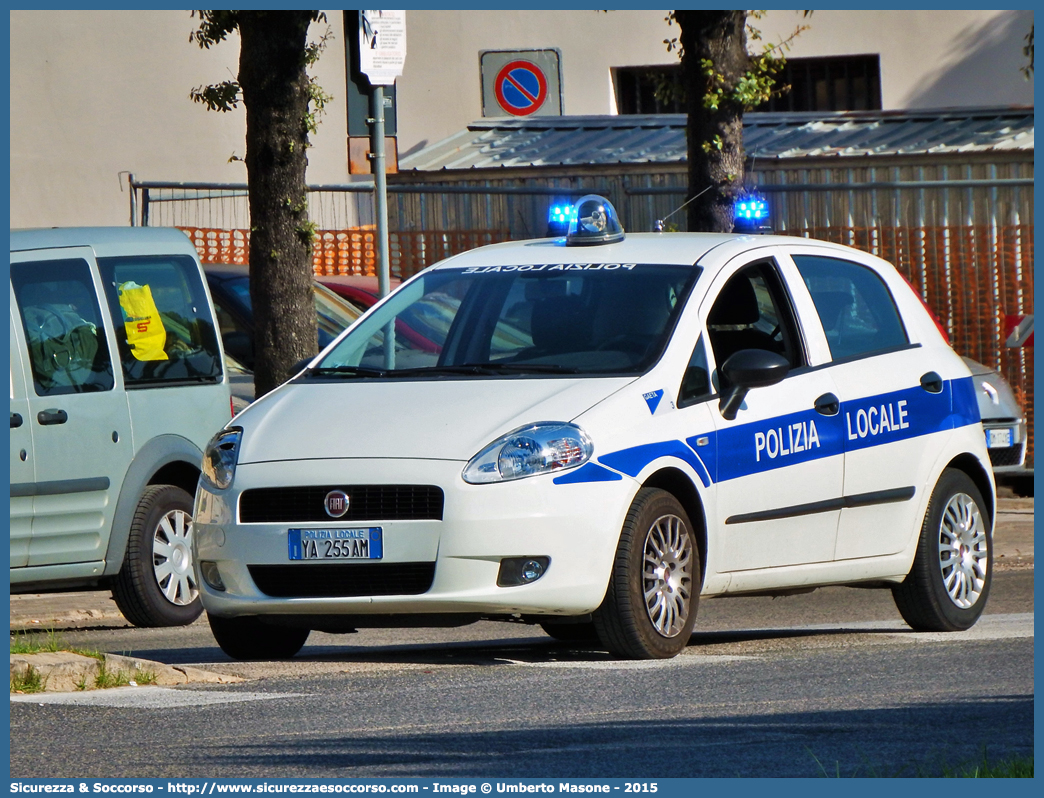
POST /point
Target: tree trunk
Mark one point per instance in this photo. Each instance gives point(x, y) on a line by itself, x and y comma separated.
point(275, 92)
point(715, 136)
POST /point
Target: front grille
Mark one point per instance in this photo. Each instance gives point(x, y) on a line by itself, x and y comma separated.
point(365, 503)
point(1008, 456)
point(343, 580)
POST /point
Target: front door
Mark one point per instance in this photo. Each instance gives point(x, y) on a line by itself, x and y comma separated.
point(780, 462)
point(76, 408)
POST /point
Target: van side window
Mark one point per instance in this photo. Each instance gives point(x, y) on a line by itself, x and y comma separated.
point(63, 328)
point(164, 329)
point(858, 313)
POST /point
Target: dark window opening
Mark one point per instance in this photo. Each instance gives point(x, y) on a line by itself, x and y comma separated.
point(836, 83)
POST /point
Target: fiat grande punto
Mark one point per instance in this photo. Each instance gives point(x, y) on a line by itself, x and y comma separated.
point(598, 431)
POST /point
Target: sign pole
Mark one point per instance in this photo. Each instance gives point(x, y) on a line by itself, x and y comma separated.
point(381, 188)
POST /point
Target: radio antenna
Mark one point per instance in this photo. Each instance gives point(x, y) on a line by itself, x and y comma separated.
point(658, 227)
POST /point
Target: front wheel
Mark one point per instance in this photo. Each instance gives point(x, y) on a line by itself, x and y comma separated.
point(156, 585)
point(249, 639)
point(650, 606)
point(947, 587)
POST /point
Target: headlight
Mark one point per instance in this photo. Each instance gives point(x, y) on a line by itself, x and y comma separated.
point(220, 457)
point(528, 451)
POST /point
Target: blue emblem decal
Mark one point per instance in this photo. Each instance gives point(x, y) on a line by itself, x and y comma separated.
point(653, 399)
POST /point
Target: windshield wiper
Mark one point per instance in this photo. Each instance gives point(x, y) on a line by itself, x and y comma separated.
point(465, 368)
point(531, 368)
point(347, 371)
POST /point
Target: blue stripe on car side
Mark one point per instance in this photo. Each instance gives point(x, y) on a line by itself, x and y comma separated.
point(588, 472)
point(800, 437)
point(632, 461)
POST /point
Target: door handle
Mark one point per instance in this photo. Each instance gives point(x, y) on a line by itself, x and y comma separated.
point(16, 420)
point(828, 405)
point(55, 416)
point(932, 382)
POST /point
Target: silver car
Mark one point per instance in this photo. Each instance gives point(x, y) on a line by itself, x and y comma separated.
point(1002, 419)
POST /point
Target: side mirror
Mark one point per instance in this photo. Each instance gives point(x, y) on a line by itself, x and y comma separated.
point(746, 369)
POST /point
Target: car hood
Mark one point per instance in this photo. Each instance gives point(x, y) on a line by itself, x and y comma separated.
point(434, 419)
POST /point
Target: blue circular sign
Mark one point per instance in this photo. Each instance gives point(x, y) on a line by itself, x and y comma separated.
point(521, 88)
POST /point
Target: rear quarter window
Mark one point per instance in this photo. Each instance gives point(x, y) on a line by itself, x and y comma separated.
point(858, 313)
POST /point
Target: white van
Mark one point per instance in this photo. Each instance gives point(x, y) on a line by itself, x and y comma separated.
point(117, 383)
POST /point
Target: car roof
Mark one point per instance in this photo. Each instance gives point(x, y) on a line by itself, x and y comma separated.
point(659, 248)
point(226, 271)
point(363, 282)
point(106, 241)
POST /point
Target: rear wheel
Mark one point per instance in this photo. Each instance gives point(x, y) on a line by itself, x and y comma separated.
point(650, 606)
point(947, 587)
point(156, 585)
point(250, 639)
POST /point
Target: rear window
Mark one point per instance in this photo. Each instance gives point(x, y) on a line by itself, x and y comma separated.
point(164, 330)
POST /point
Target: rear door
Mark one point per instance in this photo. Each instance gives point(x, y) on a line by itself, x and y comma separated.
point(76, 408)
point(891, 400)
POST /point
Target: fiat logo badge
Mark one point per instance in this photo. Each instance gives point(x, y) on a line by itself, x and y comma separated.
point(336, 503)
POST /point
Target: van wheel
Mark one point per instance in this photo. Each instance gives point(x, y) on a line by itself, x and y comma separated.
point(249, 639)
point(157, 584)
point(947, 587)
point(650, 606)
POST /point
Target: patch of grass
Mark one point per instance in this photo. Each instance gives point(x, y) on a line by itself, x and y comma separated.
point(29, 682)
point(107, 678)
point(1015, 767)
point(25, 642)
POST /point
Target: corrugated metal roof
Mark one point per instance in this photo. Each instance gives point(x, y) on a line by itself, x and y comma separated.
point(660, 138)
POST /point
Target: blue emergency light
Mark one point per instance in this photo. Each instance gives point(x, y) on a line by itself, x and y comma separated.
point(559, 215)
point(752, 214)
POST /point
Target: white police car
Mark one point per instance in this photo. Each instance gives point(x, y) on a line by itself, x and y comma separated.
point(591, 433)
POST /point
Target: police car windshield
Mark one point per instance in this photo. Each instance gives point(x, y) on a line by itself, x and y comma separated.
point(511, 321)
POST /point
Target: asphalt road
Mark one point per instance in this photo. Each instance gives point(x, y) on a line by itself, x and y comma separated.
point(828, 682)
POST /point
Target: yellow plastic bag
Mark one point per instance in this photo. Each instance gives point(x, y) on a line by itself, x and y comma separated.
point(145, 332)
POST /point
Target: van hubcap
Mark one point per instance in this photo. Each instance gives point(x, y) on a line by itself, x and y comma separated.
point(172, 558)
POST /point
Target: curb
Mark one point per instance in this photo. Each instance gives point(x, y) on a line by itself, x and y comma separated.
point(66, 672)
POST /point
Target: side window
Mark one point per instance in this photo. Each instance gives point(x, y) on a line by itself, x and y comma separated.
point(753, 312)
point(164, 330)
point(62, 321)
point(696, 384)
point(858, 313)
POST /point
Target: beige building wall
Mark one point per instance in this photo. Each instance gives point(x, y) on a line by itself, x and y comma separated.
point(97, 94)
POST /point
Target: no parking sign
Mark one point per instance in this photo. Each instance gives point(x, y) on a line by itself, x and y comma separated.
point(521, 83)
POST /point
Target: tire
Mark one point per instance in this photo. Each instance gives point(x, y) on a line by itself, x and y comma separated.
point(947, 588)
point(156, 585)
point(580, 634)
point(249, 639)
point(650, 606)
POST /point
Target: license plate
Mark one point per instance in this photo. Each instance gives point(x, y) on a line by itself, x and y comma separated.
point(999, 438)
point(336, 544)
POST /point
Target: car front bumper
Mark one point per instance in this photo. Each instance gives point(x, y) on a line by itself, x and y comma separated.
point(575, 526)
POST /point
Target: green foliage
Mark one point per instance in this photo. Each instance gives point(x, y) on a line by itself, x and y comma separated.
point(214, 27)
point(25, 642)
point(757, 84)
point(1017, 767)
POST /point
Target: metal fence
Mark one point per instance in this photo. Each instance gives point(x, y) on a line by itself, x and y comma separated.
point(961, 234)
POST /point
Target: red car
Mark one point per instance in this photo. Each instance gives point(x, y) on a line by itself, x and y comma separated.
point(363, 292)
